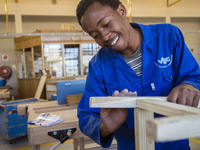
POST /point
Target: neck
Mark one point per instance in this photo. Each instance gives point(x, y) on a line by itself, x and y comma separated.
point(135, 37)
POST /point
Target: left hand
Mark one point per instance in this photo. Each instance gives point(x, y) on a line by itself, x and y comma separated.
point(185, 94)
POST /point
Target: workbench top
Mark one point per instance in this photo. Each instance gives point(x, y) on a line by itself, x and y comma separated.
point(39, 134)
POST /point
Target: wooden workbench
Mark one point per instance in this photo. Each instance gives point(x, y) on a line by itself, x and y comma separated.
point(38, 135)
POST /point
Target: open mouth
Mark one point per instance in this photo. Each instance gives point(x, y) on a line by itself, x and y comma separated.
point(115, 41)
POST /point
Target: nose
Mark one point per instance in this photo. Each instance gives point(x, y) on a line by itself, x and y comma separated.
point(105, 34)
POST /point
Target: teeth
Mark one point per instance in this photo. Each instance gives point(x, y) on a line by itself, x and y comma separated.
point(115, 41)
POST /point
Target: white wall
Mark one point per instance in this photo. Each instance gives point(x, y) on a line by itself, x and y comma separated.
point(7, 48)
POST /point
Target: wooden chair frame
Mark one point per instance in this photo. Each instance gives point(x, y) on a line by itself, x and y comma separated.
point(182, 121)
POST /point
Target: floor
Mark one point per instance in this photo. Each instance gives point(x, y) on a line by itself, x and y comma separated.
point(22, 144)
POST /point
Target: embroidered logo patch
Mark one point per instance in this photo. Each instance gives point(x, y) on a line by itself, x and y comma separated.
point(164, 62)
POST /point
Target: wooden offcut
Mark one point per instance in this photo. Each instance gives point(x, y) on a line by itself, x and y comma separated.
point(73, 99)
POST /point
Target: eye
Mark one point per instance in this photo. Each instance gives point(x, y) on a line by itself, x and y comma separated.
point(106, 24)
point(95, 36)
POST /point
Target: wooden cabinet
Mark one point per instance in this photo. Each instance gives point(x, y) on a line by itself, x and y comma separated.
point(61, 55)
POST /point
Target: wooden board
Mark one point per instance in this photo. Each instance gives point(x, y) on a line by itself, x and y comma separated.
point(73, 99)
point(174, 128)
point(142, 142)
point(40, 87)
point(130, 102)
point(4, 95)
point(38, 134)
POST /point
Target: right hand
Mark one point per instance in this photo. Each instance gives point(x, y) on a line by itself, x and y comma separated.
point(112, 118)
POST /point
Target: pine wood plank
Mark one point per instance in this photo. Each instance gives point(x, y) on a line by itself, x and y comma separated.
point(73, 99)
point(40, 87)
point(166, 108)
point(174, 128)
point(142, 142)
point(127, 102)
point(113, 102)
point(4, 95)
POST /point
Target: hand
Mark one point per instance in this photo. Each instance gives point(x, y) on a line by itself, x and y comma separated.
point(112, 118)
point(185, 94)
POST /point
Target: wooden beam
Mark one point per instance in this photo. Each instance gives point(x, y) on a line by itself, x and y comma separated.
point(4, 95)
point(174, 128)
point(166, 108)
point(131, 102)
point(142, 142)
point(22, 108)
point(113, 102)
point(40, 87)
point(73, 99)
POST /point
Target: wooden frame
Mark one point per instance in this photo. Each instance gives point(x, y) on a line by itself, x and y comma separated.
point(182, 121)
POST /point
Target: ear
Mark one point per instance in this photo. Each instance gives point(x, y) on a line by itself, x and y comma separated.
point(122, 10)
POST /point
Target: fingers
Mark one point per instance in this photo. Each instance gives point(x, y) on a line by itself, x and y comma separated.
point(115, 93)
point(173, 96)
point(196, 100)
point(124, 91)
point(185, 96)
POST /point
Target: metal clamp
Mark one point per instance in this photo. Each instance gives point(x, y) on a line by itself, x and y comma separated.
point(61, 135)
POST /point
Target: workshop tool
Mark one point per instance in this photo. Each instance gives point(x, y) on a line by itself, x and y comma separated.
point(61, 135)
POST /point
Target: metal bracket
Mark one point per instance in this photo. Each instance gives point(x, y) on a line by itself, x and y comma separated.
point(61, 135)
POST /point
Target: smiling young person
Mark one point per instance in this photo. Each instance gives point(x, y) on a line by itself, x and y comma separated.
point(150, 59)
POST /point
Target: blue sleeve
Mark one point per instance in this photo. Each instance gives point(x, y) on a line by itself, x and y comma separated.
point(184, 62)
point(89, 118)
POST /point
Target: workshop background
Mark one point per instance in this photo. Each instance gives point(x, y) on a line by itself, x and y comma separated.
point(18, 17)
point(25, 16)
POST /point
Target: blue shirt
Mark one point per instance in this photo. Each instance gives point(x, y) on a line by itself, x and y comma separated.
point(166, 63)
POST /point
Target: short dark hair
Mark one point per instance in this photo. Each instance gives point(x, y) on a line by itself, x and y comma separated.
point(84, 4)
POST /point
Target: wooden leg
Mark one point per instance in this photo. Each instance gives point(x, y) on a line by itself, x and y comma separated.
point(141, 140)
point(75, 144)
point(81, 143)
point(36, 147)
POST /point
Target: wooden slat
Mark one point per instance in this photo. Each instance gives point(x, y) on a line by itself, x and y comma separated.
point(4, 95)
point(174, 128)
point(22, 108)
point(113, 102)
point(73, 99)
point(40, 87)
point(142, 102)
point(142, 142)
point(166, 108)
point(4, 90)
point(120, 102)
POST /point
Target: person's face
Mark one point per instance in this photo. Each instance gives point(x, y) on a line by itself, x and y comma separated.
point(108, 27)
